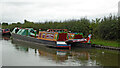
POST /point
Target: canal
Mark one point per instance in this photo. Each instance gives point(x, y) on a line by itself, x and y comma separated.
point(20, 53)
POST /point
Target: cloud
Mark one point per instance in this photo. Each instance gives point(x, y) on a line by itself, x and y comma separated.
point(119, 8)
point(42, 10)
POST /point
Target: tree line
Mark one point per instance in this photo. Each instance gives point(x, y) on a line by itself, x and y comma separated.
point(106, 28)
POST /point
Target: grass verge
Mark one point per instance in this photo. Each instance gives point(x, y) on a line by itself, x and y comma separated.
point(105, 42)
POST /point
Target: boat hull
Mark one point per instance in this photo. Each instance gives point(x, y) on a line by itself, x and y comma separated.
point(8, 33)
point(78, 44)
point(34, 40)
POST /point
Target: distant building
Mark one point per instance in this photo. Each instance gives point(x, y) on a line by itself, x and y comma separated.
point(119, 8)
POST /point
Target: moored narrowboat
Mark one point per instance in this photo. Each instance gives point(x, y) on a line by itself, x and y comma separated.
point(77, 39)
point(6, 32)
point(59, 38)
point(51, 38)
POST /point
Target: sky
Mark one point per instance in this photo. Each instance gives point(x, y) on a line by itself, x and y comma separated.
point(119, 8)
point(55, 10)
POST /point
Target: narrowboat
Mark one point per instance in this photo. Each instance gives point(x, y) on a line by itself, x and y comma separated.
point(59, 38)
point(77, 39)
point(6, 32)
point(51, 37)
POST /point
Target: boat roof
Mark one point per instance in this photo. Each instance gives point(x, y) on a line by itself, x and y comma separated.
point(57, 30)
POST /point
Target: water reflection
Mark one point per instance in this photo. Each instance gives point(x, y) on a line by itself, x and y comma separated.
point(7, 37)
point(20, 48)
point(76, 56)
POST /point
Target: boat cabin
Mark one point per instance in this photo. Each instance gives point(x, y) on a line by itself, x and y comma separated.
point(25, 31)
point(75, 35)
point(52, 36)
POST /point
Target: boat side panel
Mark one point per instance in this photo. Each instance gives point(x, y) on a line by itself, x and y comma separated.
point(30, 39)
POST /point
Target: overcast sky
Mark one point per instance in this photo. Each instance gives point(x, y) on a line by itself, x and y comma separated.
point(55, 10)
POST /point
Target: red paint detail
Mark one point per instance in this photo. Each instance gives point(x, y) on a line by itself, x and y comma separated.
point(78, 37)
point(88, 39)
point(62, 37)
point(3, 31)
point(69, 47)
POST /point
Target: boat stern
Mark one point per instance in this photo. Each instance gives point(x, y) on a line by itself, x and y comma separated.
point(62, 44)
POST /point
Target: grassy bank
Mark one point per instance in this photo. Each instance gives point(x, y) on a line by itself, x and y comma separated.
point(105, 42)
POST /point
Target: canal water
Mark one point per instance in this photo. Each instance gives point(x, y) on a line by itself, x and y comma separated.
point(21, 53)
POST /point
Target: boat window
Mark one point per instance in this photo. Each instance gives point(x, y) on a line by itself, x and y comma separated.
point(32, 31)
point(43, 36)
point(6, 29)
point(40, 35)
point(55, 36)
point(49, 36)
point(78, 37)
point(61, 31)
point(16, 30)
